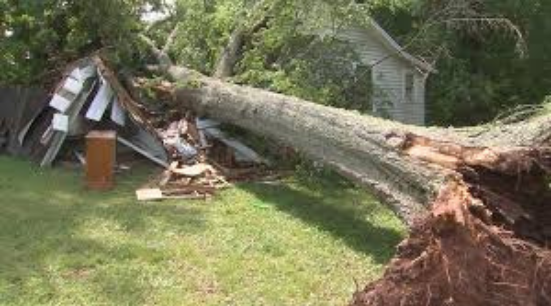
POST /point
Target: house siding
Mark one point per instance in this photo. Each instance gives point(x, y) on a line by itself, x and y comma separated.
point(392, 68)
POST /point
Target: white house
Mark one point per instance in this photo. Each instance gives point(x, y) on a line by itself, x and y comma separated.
point(398, 78)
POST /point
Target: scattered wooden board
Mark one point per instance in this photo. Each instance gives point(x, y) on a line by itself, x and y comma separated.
point(151, 194)
point(193, 171)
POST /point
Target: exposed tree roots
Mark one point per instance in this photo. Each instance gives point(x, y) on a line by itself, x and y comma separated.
point(487, 237)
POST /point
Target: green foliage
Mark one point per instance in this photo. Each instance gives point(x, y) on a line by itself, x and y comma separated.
point(37, 36)
point(484, 65)
point(203, 30)
point(325, 71)
point(284, 56)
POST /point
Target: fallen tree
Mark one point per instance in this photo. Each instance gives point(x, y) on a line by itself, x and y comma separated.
point(476, 199)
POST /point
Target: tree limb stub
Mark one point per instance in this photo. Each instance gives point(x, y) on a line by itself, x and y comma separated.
point(170, 39)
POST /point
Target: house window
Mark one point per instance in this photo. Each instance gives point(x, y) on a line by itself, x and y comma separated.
point(409, 87)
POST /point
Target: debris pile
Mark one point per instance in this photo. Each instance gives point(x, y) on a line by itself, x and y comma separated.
point(203, 160)
point(198, 157)
point(89, 97)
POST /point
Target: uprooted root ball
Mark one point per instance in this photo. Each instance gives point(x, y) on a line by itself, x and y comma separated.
point(455, 258)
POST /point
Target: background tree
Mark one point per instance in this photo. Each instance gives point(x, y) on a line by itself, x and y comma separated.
point(41, 36)
point(483, 70)
point(492, 56)
point(276, 47)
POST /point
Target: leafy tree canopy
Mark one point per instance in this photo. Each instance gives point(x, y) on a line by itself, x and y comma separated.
point(491, 55)
point(37, 35)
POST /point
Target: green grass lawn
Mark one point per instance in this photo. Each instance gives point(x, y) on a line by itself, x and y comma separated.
point(287, 244)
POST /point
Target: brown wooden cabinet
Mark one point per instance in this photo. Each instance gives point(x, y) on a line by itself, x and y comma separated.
point(100, 159)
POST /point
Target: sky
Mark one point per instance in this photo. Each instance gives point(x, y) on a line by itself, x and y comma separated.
point(153, 16)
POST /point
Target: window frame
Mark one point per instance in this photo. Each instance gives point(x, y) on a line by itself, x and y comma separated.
point(405, 88)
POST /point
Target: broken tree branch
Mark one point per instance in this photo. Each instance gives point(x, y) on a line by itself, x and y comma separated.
point(231, 54)
point(170, 39)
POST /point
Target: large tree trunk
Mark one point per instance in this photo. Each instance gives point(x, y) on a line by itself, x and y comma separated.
point(382, 155)
point(476, 200)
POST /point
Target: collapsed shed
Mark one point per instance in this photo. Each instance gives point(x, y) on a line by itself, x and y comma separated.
point(197, 155)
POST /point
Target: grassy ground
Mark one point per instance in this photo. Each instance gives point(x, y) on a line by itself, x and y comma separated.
point(254, 245)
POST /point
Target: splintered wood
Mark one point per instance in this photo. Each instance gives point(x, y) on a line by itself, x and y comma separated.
point(202, 162)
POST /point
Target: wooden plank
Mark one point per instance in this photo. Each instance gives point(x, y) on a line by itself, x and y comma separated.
point(150, 194)
point(189, 197)
point(193, 171)
point(155, 194)
point(189, 189)
point(80, 157)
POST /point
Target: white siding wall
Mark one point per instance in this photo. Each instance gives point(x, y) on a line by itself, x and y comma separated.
point(392, 68)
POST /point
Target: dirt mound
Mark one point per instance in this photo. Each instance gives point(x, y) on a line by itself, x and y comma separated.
point(466, 254)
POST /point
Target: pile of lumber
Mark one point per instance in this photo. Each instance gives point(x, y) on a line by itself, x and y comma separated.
point(203, 160)
point(196, 155)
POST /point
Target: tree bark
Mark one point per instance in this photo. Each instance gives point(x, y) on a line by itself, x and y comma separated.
point(230, 54)
point(476, 199)
point(170, 39)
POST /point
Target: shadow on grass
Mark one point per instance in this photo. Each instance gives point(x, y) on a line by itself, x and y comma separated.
point(60, 244)
point(42, 242)
point(340, 211)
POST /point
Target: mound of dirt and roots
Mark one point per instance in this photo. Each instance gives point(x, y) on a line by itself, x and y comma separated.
point(486, 242)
